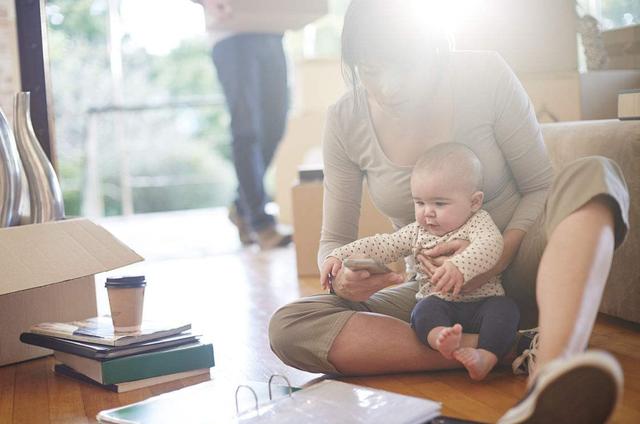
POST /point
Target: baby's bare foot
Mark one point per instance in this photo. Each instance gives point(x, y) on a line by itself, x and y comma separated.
point(449, 340)
point(478, 362)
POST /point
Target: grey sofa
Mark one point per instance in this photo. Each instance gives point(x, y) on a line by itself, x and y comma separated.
point(620, 141)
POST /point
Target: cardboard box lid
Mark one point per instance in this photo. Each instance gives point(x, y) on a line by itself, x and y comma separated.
point(268, 16)
point(40, 254)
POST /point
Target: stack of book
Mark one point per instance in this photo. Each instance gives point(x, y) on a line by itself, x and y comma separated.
point(90, 350)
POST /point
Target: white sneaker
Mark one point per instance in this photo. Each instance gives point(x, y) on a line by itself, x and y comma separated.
point(584, 389)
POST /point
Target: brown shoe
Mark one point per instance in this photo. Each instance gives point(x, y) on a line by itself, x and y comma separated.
point(245, 234)
point(270, 238)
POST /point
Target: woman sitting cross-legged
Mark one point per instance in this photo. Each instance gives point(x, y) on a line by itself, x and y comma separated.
point(411, 92)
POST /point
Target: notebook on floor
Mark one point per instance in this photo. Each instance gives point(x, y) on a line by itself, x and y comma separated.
point(328, 401)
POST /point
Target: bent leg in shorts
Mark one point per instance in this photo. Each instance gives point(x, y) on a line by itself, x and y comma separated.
point(574, 186)
point(301, 333)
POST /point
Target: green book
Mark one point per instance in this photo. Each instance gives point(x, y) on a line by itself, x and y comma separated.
point(146, 365)
point(128, 386)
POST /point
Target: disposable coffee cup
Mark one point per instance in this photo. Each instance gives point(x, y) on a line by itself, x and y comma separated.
point(126, 300)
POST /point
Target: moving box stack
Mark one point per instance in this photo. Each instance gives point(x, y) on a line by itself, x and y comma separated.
point(90, 350)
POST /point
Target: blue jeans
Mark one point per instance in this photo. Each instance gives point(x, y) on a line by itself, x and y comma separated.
point(253, 73)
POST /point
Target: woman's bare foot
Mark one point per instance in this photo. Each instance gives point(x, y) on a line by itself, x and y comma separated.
point(478, 362)
point(448, 340)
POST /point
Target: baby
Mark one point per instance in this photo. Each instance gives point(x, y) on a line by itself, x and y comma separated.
point(446, 188)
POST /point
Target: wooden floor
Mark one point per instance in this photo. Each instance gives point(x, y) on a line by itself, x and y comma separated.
point(197, 270)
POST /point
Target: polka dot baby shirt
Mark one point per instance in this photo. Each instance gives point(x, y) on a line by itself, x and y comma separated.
point(483, 252)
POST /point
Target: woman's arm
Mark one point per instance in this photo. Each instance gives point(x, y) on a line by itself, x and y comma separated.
point(341, 214)
point(512, 240)
point(342, 191)
point(519, 136)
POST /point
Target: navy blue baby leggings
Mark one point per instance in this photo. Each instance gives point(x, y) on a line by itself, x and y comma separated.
point(495, 319)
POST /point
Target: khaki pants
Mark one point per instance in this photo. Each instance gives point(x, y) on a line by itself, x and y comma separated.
point(302, 332)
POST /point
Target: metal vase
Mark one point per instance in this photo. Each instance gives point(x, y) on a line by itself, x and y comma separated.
point(10, 178)
point(45, 195)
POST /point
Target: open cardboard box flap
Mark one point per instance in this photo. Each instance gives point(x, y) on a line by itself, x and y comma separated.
point(269, 16)
point(41, 254)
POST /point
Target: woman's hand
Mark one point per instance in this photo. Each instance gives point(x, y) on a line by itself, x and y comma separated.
point(479, 280)
point(332, 266)
point(358, 286)
point(429, 260)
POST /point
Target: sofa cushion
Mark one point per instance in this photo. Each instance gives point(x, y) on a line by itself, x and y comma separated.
point(619, 141)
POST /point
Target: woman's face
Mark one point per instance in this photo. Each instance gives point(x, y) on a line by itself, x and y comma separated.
point(387, 85)
point(397, 88)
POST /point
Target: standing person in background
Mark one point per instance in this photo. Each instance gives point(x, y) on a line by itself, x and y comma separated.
point(252, 70)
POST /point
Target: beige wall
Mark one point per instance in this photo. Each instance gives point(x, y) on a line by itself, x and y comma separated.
point(9, 62)
point(532, 35)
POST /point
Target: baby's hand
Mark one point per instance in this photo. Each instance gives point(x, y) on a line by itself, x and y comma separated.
point(448, 278)
point(331, 265)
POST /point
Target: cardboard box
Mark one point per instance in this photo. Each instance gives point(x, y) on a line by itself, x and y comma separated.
point(555, 95)
point(47, 274)
point(572, 96)
point(599, 91)
point(307, 223)
point(268, 16)
point(317, 83)
point(623, 47)
point(303, 138)
point(532, 35)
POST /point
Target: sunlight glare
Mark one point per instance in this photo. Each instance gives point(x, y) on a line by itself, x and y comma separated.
point(160, 26)
point(449, 16)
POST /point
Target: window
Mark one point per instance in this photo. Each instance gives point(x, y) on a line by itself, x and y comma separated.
point(612, 14)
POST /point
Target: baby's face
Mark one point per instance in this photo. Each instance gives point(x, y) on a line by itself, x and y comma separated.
point(442, 202)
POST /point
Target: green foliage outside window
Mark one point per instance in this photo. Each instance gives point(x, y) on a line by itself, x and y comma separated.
point(186, 149)
point(621, 12)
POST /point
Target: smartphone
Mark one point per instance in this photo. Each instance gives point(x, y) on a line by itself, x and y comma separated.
point(371, 265)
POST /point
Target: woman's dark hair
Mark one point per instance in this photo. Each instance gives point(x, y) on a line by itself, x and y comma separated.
point(388, 32)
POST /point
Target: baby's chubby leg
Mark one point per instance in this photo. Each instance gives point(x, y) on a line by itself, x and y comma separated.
point(433, 322)
point(478, 362)
point(498, 321)
point(445, 340)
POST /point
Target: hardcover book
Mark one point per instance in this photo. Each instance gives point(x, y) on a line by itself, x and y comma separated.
point(128, 386)
point(99, 330)
point(102, 352)
point(145, 365)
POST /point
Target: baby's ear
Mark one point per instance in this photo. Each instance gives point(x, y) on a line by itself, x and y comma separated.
point(476, 201)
